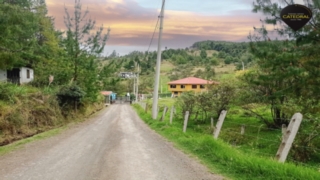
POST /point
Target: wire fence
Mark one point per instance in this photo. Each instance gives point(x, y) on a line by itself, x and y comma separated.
point(262, 140)
point(270, 137)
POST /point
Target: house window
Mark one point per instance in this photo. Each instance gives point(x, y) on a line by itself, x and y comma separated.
point(202, 87)
point(173, 86)
point(28, 74)
point(175, 93)
point(194, 86)
point(183, 86)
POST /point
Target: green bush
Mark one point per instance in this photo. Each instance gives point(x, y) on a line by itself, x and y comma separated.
point(70, 95)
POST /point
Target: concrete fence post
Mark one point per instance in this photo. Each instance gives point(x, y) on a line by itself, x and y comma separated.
point(164, 113)
point(171, 114)
point(185, 124)
point(146, 109)
point(243, 129)
point(212, 123)
point(219, 124)
point(283, 130)
point(289, 136)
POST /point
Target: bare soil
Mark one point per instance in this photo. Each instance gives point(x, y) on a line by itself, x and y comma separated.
point(112, 145)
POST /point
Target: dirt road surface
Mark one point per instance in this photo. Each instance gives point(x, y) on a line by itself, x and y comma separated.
point(113, 145)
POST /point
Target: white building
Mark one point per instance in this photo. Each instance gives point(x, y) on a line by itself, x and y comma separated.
point(17, 75)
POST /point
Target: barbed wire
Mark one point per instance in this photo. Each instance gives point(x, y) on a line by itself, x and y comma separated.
point(261, 127)
point(257, 137)
point(248, 125)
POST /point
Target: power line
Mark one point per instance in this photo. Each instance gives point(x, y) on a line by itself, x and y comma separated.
point(155, 28)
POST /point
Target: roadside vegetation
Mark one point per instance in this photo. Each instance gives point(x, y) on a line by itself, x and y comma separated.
point(223, 158)
point(263, 82)
point(69, 71)
point(272, 80)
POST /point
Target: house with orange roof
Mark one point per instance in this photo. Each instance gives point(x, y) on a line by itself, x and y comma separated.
point(194, 84)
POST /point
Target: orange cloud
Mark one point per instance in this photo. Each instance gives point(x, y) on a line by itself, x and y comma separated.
point(133, 25)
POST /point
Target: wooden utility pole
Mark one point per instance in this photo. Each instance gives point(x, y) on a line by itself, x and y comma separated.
point(157, 76)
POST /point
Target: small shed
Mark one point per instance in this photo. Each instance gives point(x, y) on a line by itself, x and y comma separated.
point(20, 75)
point(110, 96)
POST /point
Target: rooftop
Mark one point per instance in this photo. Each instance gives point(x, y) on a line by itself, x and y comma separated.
point(106, 93)
point(193, 81)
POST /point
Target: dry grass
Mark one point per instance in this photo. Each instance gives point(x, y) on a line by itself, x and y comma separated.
point(26, 111)
point(166, 66)
point(228, 68)
point(209, 52)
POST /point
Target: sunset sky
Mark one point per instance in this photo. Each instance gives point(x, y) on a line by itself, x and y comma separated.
point(132, 22)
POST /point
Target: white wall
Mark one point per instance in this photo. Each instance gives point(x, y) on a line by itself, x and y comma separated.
point(3, 75)
point(23, 75)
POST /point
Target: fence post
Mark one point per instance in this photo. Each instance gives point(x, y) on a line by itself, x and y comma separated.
point(243, 129)
point(146, 109)
point(219, 124)
point(171, 114)
point(284, 130)
point(289, 136)
point(185, 124)
point(164, 113)
point(212, 123)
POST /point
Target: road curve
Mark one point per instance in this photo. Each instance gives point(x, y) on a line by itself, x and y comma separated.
point(113, 145)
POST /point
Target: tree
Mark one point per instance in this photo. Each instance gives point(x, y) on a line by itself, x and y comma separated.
point(79, 42)
point(83, 48)
point(291, 78)
point(17, 36)
point(48, 50)
point(113, 54)
point(203, 54)
point(286, 69)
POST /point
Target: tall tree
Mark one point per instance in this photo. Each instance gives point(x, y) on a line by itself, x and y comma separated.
point(83, 48)
point(49, 51)
point(17, 35)
point(79, 41)
point(286, 70)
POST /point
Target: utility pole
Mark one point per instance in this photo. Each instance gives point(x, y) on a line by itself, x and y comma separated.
point(160, 85)
point(134, 84)
point(157, 76)
point(137, 95)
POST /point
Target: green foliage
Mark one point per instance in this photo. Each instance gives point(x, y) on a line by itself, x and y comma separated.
point(203, 54)
point(12, 92)
point(228, 60)
point(222, 158)
point(204, 105)
point(68, 95)
point(17, 36)
point(231, 48)
point(83, 49)
point(285, 72)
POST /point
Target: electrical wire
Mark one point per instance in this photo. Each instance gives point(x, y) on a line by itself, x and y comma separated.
point(155, 29)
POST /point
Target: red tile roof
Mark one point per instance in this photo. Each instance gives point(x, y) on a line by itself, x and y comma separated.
point(106, 93)
point(193, 81)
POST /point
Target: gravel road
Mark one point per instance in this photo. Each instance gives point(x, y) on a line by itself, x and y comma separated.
point(112, 145)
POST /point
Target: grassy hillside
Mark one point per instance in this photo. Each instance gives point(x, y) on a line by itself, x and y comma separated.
point(26, 111)
point(248, 156)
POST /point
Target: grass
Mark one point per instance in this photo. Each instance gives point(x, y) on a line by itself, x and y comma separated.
point(166, 66)
point(197, 52)
point(163, 101)
point(18, 144)
point(223, 158)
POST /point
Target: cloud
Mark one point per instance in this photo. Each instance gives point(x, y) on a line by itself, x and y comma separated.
point(133, 25)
